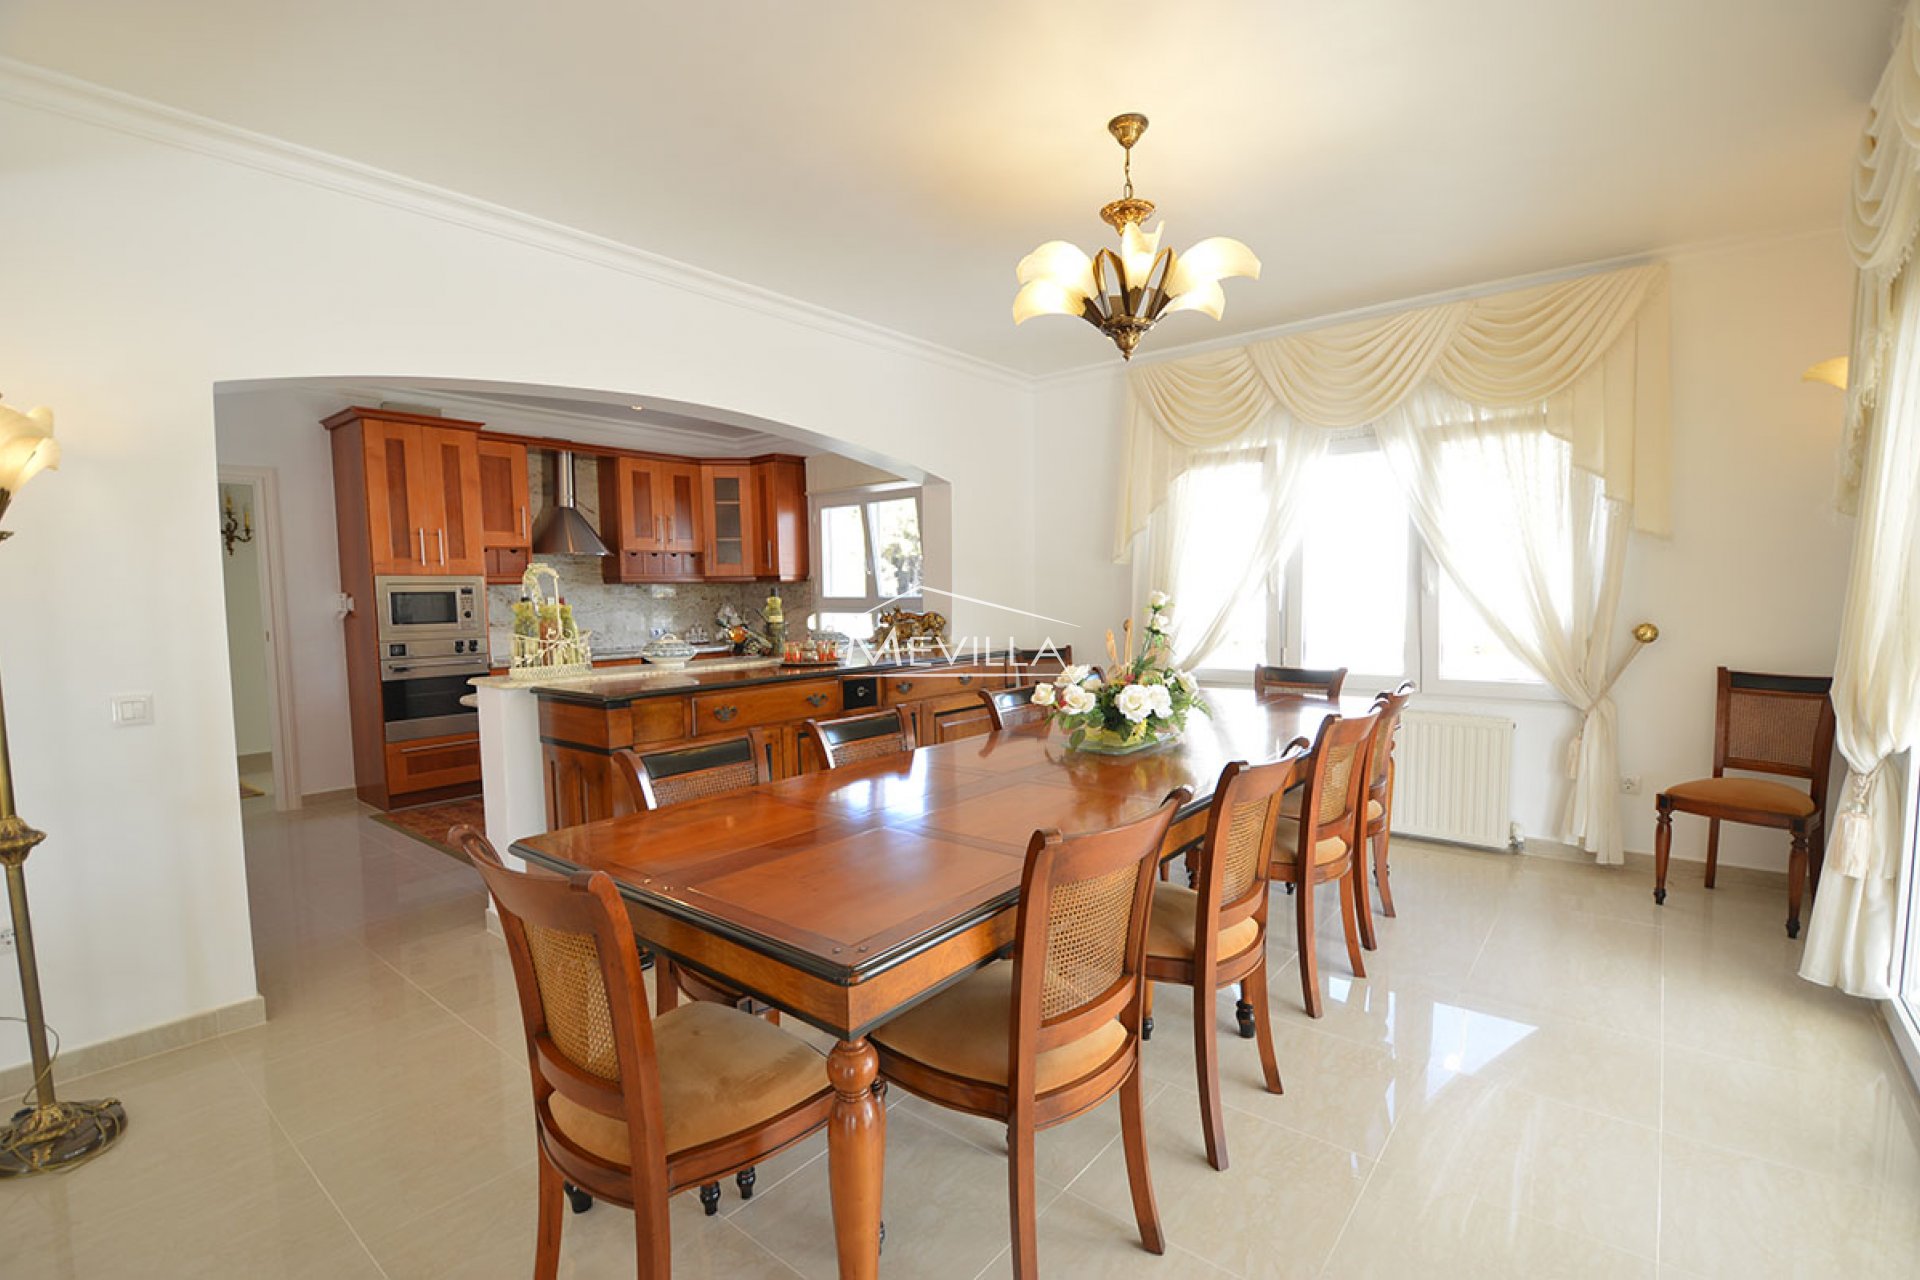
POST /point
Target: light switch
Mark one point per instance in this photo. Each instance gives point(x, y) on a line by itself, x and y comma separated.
point(130, 709)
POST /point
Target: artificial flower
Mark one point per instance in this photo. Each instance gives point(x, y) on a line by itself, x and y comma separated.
point(1077, 700)
point(1134, 702)
point(1159, 699)
point(1158, 600)
point(1188, 684)
point(1043, 695)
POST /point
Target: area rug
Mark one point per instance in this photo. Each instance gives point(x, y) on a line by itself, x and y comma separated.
point(428, 823)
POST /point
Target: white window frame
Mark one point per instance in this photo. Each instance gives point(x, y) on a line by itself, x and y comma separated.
point(858, 498)
point(1284, 646)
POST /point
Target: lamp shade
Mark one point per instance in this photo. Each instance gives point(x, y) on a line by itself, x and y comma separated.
point(1832, 371)
point(27, 448)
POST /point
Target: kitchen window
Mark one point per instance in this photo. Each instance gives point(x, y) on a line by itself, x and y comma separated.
point(867, 556)
point(1363, 595)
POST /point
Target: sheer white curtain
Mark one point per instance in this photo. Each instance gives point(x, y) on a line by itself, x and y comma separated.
point(1537, 546)
point(1876, 685)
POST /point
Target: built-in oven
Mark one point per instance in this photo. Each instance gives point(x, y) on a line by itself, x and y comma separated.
point(432, 608)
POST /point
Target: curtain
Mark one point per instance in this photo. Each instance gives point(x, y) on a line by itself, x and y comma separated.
point(1539, 549)
point(1594, 347)
point(1876, 687)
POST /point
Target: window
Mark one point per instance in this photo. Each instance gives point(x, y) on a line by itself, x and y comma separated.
point(1365, 595)
point(866, 548)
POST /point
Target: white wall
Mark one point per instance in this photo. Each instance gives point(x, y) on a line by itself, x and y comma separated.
point(1752, 578)
point(141, 275)
point(246, 633)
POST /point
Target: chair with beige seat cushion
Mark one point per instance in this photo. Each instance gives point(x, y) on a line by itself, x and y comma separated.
point(1782, 725)
point(1324, 842)
point(1270, 683)
point(1052, 1033)
point(627, 1107)
point(1215, 935)
point(1380, 787)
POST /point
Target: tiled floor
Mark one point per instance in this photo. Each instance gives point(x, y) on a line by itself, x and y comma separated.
point(1544, 1075)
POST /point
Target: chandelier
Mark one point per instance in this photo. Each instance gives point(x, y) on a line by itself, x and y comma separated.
point(1123, 294)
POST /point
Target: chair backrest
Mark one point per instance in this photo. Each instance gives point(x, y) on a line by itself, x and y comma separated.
point(1775, 724)
point(1051, 661)
point(1334, 803)
point(1080, 939)
point(1389, 704)
point(853, 739)
point(1231, 869)
point(583, 1005)
point(676, 775)
point(1010, 708)
point(1297, 682)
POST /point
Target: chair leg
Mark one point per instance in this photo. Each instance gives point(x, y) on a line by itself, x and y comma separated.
point(1350, 922)
point(1380, 872)
point(1713, 849)
point(1309, 957)
point(653, 1239)
point(577, 1200)
point(1133, 1137)
point(1020, 1192)
point(1206, 1060)
point(1255, 989)
point(1146, 1023)
point(1796, 882)
point(745, 1180)
point(666, 987)
point(1662, 845)
point(1362, 900)
point(546, 1249)
point(710, 1197)
point(1243, 1013)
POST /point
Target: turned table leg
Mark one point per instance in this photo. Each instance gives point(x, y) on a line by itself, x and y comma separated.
point(1662, 846)
point(856, 1157)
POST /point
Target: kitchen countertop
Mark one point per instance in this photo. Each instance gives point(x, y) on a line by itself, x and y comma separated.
point(617, 688)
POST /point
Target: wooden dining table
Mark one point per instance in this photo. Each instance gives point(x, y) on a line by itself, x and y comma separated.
point(845, 897)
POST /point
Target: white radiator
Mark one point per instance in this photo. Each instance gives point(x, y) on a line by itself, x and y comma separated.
point(1453, 778)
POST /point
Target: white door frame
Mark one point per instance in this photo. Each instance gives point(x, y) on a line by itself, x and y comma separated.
point(264, 483)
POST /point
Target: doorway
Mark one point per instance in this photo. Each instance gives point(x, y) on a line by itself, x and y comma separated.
point(257, 669)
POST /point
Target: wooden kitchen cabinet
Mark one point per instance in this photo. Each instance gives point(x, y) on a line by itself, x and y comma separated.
point(506, 509)
point(730, 510)
point(650, 514)
point(780, 494)
point(422, 497)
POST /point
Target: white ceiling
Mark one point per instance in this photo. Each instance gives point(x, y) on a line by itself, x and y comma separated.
point(893, 161)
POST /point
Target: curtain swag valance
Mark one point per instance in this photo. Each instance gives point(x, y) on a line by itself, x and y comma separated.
point(1596, 345)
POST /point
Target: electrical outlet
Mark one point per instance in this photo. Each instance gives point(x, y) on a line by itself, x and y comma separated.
point(1630, 784)
point(131, 709)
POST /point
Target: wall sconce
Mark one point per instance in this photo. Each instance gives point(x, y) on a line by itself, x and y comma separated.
point(235, 529)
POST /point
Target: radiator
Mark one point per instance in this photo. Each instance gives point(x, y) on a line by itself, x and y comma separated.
point(1453, 778)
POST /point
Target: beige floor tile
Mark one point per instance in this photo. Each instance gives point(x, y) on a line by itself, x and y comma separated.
point(1541, 960)
point(1275, 1211)
point(1061, 1153)
point(1079, 1240)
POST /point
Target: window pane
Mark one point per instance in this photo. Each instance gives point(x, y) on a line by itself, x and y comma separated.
point(1223, 508)
point(1469, 649)
point(896, 546)
point(1353, 583)
point(855, 626)
point(843, 554)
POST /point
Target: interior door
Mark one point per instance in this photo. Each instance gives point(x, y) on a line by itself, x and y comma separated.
point(454, 542)
point(396, 490)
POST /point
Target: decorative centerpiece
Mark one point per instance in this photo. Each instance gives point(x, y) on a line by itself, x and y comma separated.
point(547, 643)
point(1140, 702)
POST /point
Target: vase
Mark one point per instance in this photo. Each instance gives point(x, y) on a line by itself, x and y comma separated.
point(1104, 742)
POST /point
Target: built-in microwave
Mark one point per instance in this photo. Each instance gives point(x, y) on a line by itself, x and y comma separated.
point(432, 608)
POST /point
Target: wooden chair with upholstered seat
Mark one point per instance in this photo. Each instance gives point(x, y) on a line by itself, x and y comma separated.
point(1322, 842)
point(1297, 682)
point(871, 735)
point(1781, 725)
point(1052, 1033)
point(1215, 935)
point(1380, 786)
point(1037, 664)
point(1010, 708)
point(627, 1107)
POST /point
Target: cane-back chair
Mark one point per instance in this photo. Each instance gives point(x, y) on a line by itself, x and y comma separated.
point(872, 735)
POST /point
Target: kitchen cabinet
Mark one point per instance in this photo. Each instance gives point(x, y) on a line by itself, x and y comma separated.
point(506, 509)
point(780, 494)
point(422, 495)
point(728, 505)
point(650, 514)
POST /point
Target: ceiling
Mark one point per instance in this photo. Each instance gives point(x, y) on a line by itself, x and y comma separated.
point(894, 161)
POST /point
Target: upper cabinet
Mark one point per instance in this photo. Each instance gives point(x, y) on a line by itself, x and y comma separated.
point(506, 510)
point(780, 493)
point(651, 519)
point(730, 508)
point(422, 485)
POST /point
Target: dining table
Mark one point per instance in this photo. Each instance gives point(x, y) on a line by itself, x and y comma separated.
point(844, 897)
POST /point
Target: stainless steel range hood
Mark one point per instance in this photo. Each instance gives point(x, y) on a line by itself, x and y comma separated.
point(562, 530)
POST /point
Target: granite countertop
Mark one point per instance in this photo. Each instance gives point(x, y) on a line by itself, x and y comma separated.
point(616, 688)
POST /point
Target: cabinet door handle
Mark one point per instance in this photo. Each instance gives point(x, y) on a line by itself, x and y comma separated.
point(724, 714)
point(816, 699)
point(423, 544)
point(441, 534)
point(523, 521)
point(902, 686)
point(769, 552)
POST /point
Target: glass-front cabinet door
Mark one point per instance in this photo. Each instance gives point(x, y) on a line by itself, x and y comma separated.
point(731, 527)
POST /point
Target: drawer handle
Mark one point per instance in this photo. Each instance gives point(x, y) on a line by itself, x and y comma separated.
point(437, 746)
point(966, 680)
point(902, 686)
point(724, 714)
point(816, 699)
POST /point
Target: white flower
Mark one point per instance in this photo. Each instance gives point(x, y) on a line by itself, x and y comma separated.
point(1093, 680)
point(1188, 684)
point(1158, 621)
point(1074, 674)
point(1158, 600)
point(1043, 695)
point(1076, 701)
point(1159, 699)
point(1134, 702)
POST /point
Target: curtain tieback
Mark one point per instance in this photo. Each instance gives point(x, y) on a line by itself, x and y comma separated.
point(1853, 832)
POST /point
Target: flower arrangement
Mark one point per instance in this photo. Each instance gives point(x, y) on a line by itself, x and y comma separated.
point(1139, 702)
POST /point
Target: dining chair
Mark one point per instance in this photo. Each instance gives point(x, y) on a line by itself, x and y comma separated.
point(1297, 682)
point(1323, 842)
point(1011, 708)
point(855, 739)
point(1380, 785)
point(1052, 1033)
point(628, 1107)
point(1215, 935)
point(1782, 725)
point(1029, 663)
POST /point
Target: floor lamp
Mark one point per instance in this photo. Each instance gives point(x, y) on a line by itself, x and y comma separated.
point(49, 1134)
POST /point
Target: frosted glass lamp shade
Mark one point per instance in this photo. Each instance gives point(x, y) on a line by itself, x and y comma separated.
point(27, 448)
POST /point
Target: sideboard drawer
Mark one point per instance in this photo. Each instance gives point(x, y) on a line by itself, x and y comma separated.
point(916, 684)
point(433, 762)
point(771, 704)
